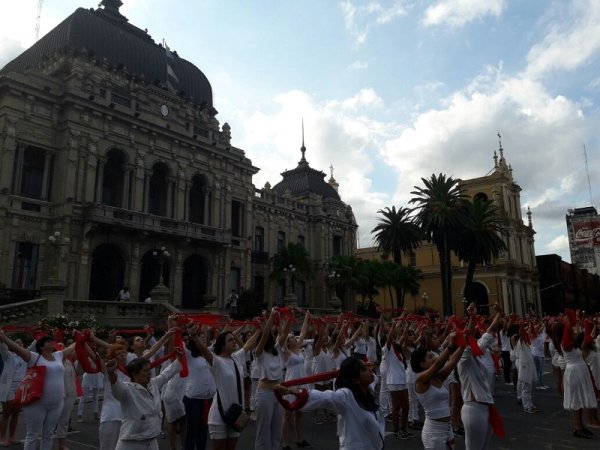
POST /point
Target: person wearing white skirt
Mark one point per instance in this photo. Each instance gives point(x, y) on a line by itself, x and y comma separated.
point(92, 384)
point(578, 387)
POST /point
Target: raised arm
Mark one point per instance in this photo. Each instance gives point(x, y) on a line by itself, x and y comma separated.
point(13, 346)
point(192, 329)
point(157, 346)
point(304, 329)
point(251, 342)
point(265, 333)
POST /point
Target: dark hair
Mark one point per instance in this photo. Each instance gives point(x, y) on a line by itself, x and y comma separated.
point(220, 342)
point(417, 357)
point(136, 366)
point(349, 372)
point(270, 344)
point(41, 342)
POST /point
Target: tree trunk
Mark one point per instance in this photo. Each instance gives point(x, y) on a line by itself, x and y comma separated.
point(399, 297)
point(446, 274)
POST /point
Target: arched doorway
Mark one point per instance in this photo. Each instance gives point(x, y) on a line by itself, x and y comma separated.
point(150, 272)
point(158, 200)
point(195, 282)
point(113, 178)
point(479, 294)
point(108, 269)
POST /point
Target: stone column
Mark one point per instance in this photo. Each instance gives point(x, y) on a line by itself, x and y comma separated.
point(7, 178)
point(146, 194)
point(99, 180)
point(17, 179)
point(207, 207)
point(126, 184)
point(46, 175)
point(177, 278)
point(170, 199)
point(180, 197)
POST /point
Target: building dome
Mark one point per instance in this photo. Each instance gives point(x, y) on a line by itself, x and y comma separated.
point(305, 180)
point(106, 35)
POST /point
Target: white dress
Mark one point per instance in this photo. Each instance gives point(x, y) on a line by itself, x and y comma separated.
point(578, 387)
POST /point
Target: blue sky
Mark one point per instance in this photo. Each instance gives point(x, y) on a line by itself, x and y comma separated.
point(390, 91)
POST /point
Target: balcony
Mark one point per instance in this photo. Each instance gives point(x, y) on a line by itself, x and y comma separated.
point(138, 221)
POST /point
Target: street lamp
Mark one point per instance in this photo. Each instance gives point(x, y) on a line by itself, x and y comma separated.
point(55, 244)
point(162, 255)
point(332, 280)
point(425, 298)
point(288, 273)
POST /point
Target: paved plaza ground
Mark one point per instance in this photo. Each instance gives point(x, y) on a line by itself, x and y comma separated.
point(548, 430)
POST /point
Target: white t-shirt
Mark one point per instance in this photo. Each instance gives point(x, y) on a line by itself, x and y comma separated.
point(123, 296)
point(224, 373)
point(537, 345)
point(54, 380)
point(200, 381)
point(270, 366)
point(111, 407)
point(396, 371)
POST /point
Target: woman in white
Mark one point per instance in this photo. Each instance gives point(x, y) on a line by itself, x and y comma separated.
point(293, 360)
point(434, 394)
point(579, 390)
point(42, 416)
point(70, 396)
point(172, 399)
point(320, 363)
point(526, 370)
point(91, 384)
point(269, 414)
point(11, 378)
point(111, 414)
point(396, 379)
point(361, 422)
point(227, 366)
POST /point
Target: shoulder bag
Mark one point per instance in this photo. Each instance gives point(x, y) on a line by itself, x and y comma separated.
point(31, 388)
point(235, 416)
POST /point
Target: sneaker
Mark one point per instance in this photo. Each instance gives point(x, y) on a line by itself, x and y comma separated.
point(581, 434)
point(401, 435)
point(530, 410)
point(588, 432)
point(509, 383)
point(459, 432)
point(409, 434)
point(79, 419)
point(303, 444)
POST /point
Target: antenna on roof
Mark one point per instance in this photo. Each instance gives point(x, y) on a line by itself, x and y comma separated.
point(38, 18)
point(587, 171)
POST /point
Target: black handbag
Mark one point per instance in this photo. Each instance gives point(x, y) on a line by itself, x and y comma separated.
point(235, 416)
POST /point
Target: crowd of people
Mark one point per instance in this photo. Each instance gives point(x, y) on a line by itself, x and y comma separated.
point(207, 376)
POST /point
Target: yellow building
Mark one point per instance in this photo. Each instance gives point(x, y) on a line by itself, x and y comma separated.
point(511, 280)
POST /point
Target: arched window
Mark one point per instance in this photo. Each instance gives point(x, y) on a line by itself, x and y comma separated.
point(159, 190)
point(481, 196)
point(198, 200)
point(113, 180)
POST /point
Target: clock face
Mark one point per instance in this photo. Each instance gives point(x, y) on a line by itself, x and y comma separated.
point(164, 110)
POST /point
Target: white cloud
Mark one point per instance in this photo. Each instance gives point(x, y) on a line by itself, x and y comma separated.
point(560, 244)
point(358, 65)
point(360, 20)
point(569, 42)
point(457, 13)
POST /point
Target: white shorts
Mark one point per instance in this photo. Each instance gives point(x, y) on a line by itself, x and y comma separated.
point(174, 410)
point(221, 432)
point(396, 387)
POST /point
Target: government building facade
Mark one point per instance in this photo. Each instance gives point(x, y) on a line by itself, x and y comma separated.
point(114, 171)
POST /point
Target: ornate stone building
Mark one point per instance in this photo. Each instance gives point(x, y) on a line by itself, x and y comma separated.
point(114, 170)
point(511, 280)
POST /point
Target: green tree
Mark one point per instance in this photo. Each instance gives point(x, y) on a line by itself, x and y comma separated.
point(407, 282)
point(292, 259)
point(396, 233)
point(439, 207)
point(369, 278)
point(480, 239)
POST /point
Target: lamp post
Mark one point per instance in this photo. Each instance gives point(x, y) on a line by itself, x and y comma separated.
point(160, 292)
point(332, 278)
point(290, 295)
point(54, 289)
point(425, 298)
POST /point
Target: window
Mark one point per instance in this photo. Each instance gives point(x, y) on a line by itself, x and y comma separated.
point(25, 268)
point(412, 258)
point(113, 179)
point(337, 245)
point(259, 239)
point(237, 218)
point(480, 196)
point(301, 240)
point(280, 240)
point(32, 173)
point(157, 197)
point(198, 200)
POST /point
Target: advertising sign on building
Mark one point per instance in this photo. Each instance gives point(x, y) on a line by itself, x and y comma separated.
point(587, 233)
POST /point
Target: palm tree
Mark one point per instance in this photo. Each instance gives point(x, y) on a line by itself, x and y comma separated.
point(439, 205)
point(480, 240)
point(407, 281)
point(396, 233)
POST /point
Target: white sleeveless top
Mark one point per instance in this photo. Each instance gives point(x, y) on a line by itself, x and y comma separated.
point(270, 367)
point(435, 401)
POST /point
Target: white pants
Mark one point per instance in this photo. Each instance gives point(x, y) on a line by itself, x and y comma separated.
point(384, 396)
point(109, 434)
point(41, 418)
point(253, 388)
point(86, 392)
point(151, 444)
point(437, 435)
point(413, 403)
point(478, 431)
point(62, 428)
point(269, 421)
point(525, 389)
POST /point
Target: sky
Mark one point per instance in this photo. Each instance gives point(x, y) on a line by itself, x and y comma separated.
point(390, 91)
